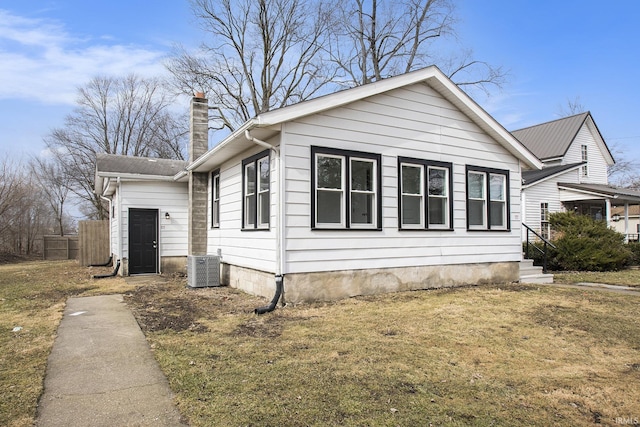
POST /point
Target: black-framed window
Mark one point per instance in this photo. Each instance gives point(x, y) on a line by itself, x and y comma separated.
point(346, 189)
point(215, 199)
point(424, 194)
point(487, 199)
point(256, 191)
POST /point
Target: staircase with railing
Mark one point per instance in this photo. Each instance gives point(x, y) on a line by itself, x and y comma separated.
point(530, 273)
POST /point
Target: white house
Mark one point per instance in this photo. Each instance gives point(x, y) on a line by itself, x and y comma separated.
point(576, 159)
point(405, 183)
point(148, 212)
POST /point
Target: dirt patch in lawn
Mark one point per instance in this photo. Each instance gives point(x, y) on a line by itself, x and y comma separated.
point(168, 304)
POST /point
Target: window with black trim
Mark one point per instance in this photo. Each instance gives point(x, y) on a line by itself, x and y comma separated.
point(424, 194)
point(487, 199)
point(215, 199)
point(346, 188)
point(255, 191)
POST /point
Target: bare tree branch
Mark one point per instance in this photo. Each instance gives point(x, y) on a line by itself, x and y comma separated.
point(128, 116)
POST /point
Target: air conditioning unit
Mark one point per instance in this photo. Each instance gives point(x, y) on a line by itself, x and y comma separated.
point(203, 271)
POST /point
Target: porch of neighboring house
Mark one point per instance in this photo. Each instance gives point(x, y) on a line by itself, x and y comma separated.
point(617, 206)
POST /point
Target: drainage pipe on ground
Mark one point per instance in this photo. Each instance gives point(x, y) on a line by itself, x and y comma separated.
point(274, 301)
point(105, 264)
point(112, 274)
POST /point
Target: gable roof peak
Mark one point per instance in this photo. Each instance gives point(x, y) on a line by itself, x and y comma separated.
point(551, 140)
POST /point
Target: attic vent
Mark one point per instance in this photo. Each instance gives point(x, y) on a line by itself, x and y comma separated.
point(203, 271)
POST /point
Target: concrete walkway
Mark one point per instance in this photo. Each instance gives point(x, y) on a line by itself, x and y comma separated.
point(101, 371)
point(620, 289)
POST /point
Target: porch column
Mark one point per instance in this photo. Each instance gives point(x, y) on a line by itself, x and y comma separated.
point(607, 211)
point(626, 222)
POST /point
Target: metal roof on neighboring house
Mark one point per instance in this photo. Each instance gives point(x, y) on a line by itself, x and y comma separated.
point(113, 163)
point(551, 139)
point(530, 177)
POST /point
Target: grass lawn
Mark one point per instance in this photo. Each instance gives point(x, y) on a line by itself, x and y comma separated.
point(32, 298)
point(623, 277)
point(491, 355)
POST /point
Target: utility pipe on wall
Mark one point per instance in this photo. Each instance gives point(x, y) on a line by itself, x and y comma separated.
point(279, 278)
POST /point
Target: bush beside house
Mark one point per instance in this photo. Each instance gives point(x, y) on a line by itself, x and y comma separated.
point(584, 244)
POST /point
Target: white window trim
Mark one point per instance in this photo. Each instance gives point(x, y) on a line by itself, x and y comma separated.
point(420, 195)
point(215, 200)
point(260, 192)
point(251, 217)
point(503, 200)
point(482, 226)
point(347, 157)
point(446, 197)
point(374, 213)
point(340, 190)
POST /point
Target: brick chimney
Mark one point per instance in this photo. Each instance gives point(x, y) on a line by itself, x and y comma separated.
point(198, 181)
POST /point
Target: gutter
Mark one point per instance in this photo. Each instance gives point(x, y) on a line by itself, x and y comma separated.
point(250, 124)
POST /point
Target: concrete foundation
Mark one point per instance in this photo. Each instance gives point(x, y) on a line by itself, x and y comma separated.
point(173, 265)
point(336, 285)
point(254, 282)
point(168, 265)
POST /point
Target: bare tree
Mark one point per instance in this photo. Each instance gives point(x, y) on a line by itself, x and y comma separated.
point(24, 217)
point(128, 116)
point(379, 39)
point(625, 171)
point(10, 193)
point(261, 55)
point(265, 54)
point(54, 185)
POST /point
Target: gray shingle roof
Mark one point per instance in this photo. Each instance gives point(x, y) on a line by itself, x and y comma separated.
point(529, 177)
point(551, 139)
point(138, 165)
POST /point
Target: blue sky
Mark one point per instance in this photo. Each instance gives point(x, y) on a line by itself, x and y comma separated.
point(555, 51)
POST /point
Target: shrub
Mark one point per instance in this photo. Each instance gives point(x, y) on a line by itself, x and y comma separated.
point(585, 244)
point(634, 247)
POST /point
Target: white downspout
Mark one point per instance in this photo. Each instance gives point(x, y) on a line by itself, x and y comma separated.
point(119, 182)
point(108, 200)
point(276, 157)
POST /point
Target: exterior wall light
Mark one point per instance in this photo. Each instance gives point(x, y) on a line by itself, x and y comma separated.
point(167, 216)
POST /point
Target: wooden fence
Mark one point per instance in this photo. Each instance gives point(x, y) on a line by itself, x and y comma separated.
point(94, 242)
point(60, 247)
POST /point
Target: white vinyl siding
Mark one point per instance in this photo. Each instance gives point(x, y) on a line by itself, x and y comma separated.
point(254, 250)
point(167, 197)
point(415, 122)
point(545, 191)
point(597, 165)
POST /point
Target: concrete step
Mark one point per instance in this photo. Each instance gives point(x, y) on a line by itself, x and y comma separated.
point(530, 273)
point(536, 278)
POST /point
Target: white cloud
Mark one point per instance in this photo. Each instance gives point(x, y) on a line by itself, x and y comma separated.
point(42, 61)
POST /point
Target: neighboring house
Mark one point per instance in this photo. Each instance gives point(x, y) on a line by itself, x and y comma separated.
point(148, 212)
point(574, 178)
point(630, 226)
point(405, 183)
